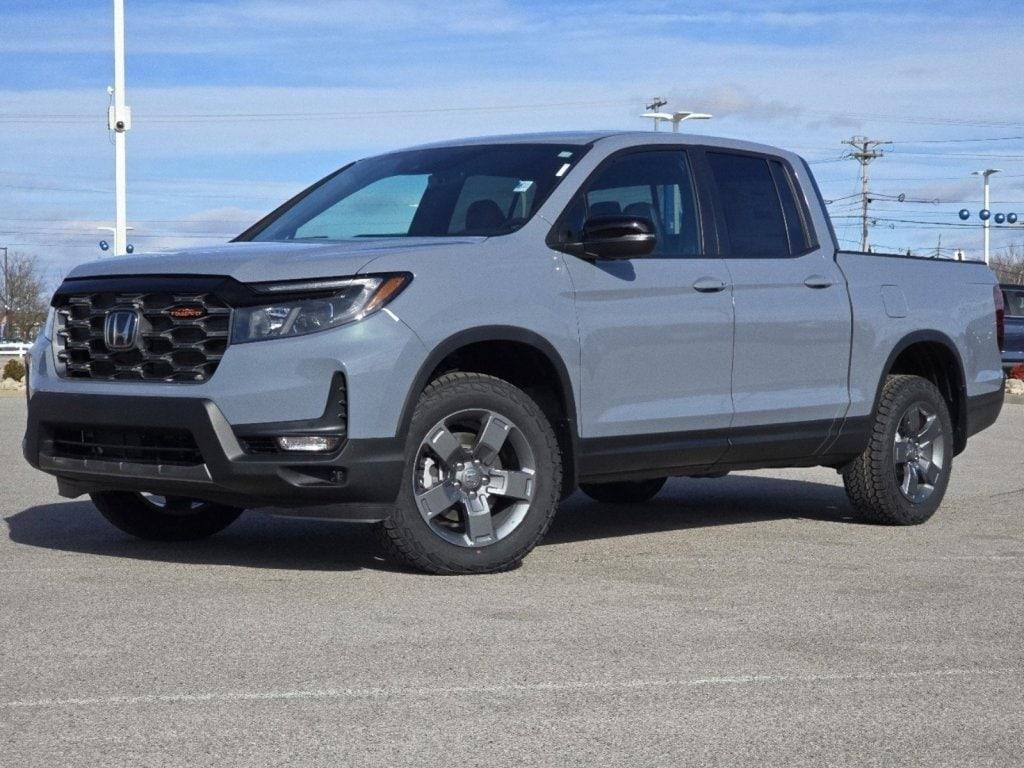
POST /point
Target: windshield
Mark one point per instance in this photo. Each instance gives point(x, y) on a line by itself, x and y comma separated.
point(448, 191)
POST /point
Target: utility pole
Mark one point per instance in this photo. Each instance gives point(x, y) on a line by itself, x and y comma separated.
point(985, 206)
point(119, 120)
point(6, 296)
point(864, 151)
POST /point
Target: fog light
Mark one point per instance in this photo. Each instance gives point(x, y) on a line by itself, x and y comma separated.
point(308, 443)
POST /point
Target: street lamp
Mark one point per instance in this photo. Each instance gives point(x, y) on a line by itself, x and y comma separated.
point(674, 117)
point(985, 205)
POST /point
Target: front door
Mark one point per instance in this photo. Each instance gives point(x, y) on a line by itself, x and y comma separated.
point(656, 332)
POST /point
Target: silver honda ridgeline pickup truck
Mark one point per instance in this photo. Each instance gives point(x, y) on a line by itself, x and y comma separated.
point(448, 340)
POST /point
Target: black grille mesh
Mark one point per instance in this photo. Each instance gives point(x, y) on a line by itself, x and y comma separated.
point(140, 446)
point(183, 348)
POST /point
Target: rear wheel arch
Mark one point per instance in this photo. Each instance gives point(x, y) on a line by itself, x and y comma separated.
point(932, 355)
point(519, 356)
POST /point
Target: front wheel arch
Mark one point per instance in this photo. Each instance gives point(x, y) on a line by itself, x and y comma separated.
point(556, 397)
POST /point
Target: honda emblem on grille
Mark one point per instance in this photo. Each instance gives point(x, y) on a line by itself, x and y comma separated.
point(121, 329)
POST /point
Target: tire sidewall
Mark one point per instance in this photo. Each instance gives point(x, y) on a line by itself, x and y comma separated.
point(917, 391)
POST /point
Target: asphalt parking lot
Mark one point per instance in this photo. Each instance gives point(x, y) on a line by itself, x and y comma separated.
point(741, 621)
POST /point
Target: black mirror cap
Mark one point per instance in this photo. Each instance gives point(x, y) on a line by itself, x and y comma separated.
point(618, 237)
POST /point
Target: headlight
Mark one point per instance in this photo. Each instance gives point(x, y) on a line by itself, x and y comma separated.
point(313, 305)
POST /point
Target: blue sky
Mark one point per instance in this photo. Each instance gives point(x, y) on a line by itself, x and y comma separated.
point(240, 103)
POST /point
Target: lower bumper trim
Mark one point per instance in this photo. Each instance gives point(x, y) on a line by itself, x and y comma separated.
point(63, 465)
point(365, 473)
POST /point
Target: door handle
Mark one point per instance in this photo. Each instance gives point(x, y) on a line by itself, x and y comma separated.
point(710, 285)
point(818, 281)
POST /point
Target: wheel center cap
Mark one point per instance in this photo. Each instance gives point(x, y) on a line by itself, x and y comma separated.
point(472, 478)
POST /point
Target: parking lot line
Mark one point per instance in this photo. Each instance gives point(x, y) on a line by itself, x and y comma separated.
point(507, 688)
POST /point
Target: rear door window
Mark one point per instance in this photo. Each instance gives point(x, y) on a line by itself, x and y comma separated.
point(751, 206)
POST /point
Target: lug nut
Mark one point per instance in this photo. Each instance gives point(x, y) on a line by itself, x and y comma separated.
point(460, 465)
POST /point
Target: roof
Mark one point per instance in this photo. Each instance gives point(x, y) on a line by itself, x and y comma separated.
point(620, 138)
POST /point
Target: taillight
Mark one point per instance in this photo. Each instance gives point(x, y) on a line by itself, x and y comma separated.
point(997, 295)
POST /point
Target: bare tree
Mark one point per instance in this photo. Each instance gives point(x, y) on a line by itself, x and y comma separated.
point(22, 296)
point(1008, 264)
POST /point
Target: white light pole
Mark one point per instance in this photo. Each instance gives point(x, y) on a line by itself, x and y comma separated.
point(985, 203)
point(119, 120)
point(674, 117)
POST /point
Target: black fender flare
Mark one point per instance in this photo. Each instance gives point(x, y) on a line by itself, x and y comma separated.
point(502, 333)
point(477, 335)
point(960, 383)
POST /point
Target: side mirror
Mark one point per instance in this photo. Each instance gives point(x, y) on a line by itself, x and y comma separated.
point(618, 237)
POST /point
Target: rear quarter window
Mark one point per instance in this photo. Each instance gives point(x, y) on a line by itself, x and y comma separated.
point(798, 228)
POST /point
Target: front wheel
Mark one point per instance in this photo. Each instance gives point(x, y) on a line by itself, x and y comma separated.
point(163, 518)
point(482, 478)
point(902, 475)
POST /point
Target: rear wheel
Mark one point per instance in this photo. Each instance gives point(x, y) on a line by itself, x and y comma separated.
point(901, 477)
point(624, 492)
point(163, 518)
point(482, 478)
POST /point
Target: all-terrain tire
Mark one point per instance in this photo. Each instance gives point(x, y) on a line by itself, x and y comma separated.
point(408, 538)
point(176, 520)
point(872, 480)
point(625, 491)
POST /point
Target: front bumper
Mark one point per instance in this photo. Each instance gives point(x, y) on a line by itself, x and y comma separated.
point(364, 474)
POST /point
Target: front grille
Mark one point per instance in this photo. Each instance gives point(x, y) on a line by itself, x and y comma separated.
point(181, 336)
point(140, 446)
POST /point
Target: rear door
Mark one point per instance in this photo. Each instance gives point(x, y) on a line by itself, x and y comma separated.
point(793, 317)
point(655, 332)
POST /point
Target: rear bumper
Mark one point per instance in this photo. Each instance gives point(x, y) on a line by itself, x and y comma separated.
point(364, 474)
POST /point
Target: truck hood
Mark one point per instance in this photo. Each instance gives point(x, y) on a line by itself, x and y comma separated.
point(250, 262)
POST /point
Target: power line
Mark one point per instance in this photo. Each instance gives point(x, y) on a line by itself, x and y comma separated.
point(80, 233)
point(959, 141)
point(157, 117)
point(975, 155)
